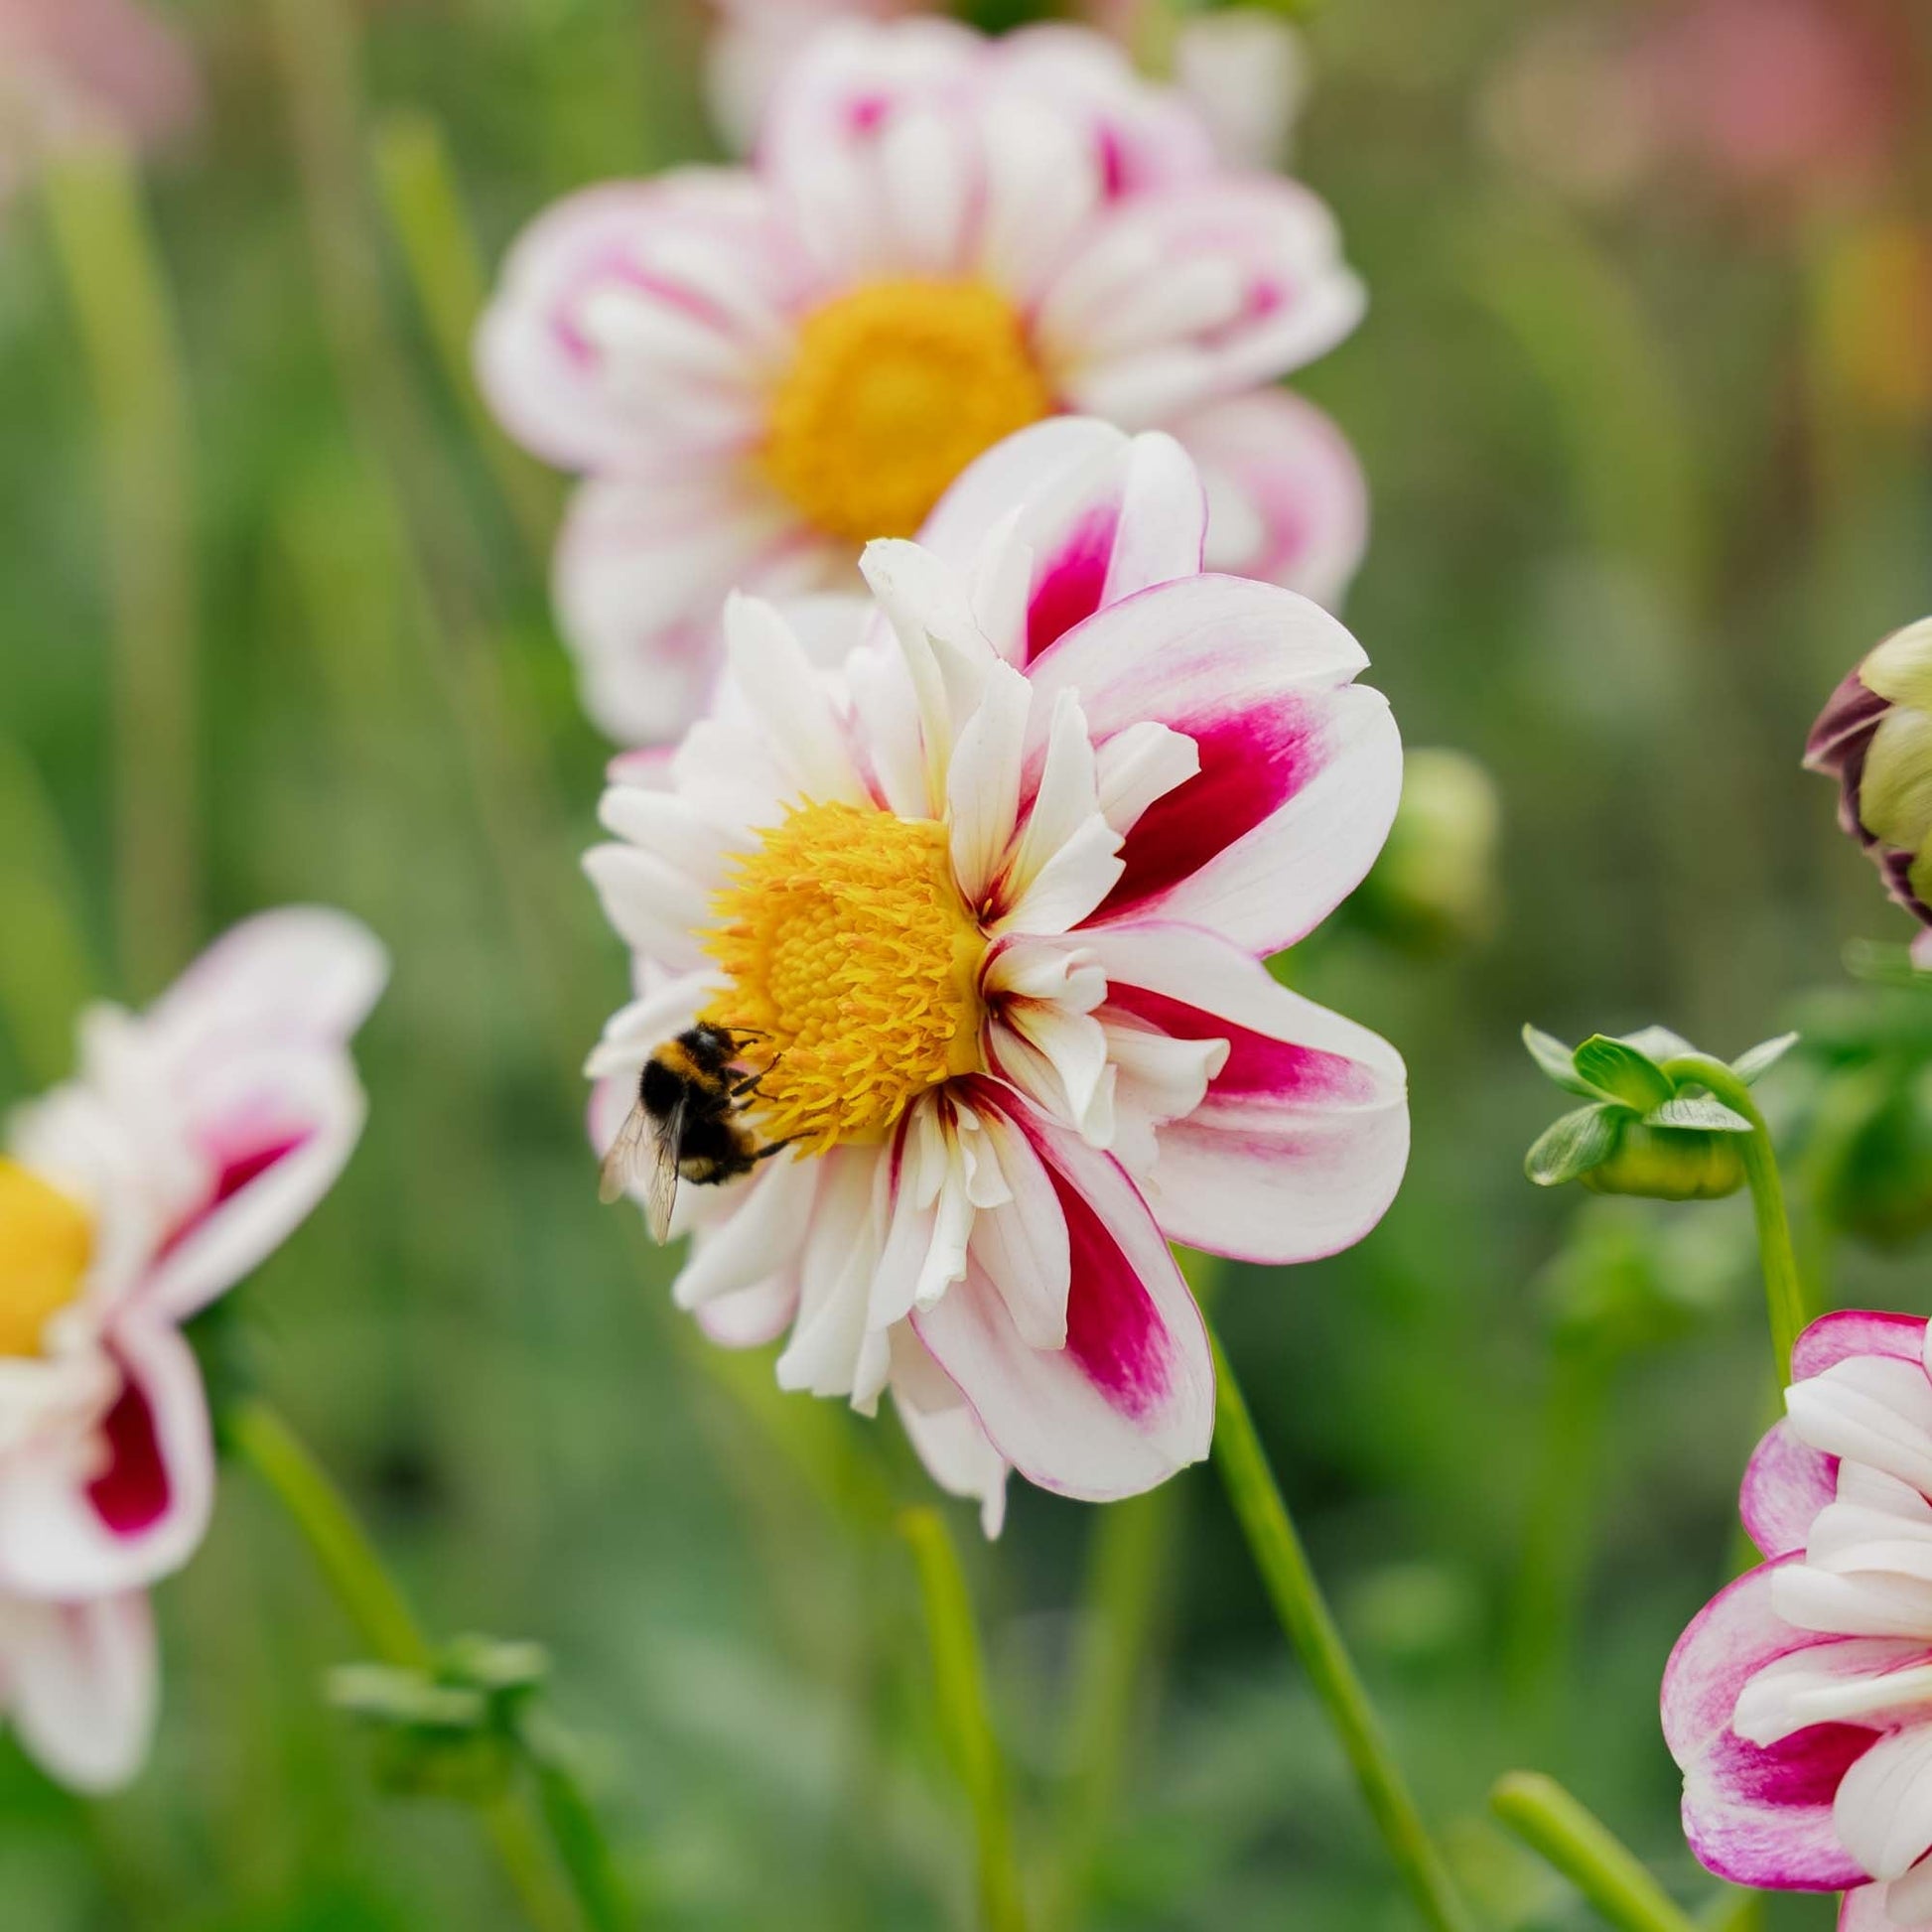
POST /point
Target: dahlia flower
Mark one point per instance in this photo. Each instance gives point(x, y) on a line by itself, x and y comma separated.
point(195, 1139)
point(1799, 1702)
point(986, 908)
point(944, 240)
point(1874, 738)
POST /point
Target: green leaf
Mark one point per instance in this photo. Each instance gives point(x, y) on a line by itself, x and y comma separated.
point(1573, 1146)
point(1751, 1066)
point(1553, 1056)
point(1623, 1071)
point(1711, 1115)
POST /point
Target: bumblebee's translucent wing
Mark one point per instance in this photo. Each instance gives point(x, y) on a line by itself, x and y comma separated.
point(660, 1180)
point(643, 1151)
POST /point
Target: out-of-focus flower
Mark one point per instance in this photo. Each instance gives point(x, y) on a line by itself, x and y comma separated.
point(1436, 885)
point(945, 238)
point(1874, 738)
point(1799, 1702)
point(1652, 1126)
point(84, 69)
point(1796, 96)
point(986, 910)
point(195, 1137)
point(1876, 319)
point(1247, 72)
point(756, 39)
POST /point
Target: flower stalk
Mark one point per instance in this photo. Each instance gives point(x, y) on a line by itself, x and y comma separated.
point(1786, 1298)
point(373, 1603)
point(1311, 1627)
point(1539, 1812)
point(960, 1681)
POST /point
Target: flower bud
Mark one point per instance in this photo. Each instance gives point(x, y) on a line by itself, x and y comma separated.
point(1653, 1125)
point(1874, 738)
point(1435, 888)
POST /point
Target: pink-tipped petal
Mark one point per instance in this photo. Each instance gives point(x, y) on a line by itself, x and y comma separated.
point(115, 1513)
point(1286, 498)
point(1130, 1398)
point(642, 571)
point(81, 1684)
point(1195, 293)
point(636, 321)
point(275, 1129)
point(1835, 1338)
point(1301, 1142)
point(946, 1434)
point(1786, 1483)
point(1756, 1815)
point(1300, 767)
point(1865, 1910)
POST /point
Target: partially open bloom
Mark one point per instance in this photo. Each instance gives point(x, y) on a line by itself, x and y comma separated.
point(944, 240)
point(989, 906)
point(193, 1139)
point(1876, 739)
point(1799, 1702)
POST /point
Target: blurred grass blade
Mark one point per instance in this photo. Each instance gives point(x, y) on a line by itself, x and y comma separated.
point(425, 209)
point(1311, 1627)
point(107, 254)
point(967, 1724)
point(1551, 1822)
point(47, 966)
point(578, 1833)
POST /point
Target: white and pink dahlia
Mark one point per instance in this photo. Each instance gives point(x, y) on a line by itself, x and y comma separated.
point(1799, 1704)
point(992, 898)
point(944, 240)
point(193, 1141)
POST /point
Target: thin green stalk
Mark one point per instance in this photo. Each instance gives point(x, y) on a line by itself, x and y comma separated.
point(425, 210)
point(1310, 1629)
point(373, 1604)
point(1539, 1812)
point(101, 233)
point(966, 1721)
point(1784, 1284)
point(577, 1831)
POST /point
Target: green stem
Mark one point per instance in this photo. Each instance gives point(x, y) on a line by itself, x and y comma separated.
point(384, 1620)
point(106, 250)
point(1539, 1812)
point(425, 210)
point(1784, 1284)
point(967, 1724)
point(577, 1831)
point(1310, 1626)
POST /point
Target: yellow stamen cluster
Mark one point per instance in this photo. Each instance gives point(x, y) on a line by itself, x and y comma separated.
point(896, 387)
point(46, 1241)
point(851, 953)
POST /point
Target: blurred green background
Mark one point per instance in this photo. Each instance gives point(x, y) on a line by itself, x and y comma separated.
point(1648, 439)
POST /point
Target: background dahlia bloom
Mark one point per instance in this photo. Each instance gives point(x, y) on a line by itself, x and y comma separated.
point(996, 896)
point(1799, 1704)
point(195, 1139)
point(944, 240)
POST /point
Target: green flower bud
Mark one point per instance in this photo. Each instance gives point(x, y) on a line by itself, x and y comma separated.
point(1436, 885)
point(1652, 1127)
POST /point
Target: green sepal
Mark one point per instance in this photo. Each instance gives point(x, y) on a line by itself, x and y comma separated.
point(1568, 1148)
point(1553, 1056)
point(1751, 1066)
point(1658, 1043)
point(1624, 1072)
point(1711, 1115)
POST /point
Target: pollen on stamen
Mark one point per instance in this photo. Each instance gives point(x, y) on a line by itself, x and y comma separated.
point(853, 960)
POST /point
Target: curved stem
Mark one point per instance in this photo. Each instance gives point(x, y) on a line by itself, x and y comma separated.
point(1539, 1812)
point(373, 1604)
point(964, 1717)
point(1311, 1627)
point(1784, 1285)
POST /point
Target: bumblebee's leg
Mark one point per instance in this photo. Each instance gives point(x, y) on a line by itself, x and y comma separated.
point(749, 1084)
point(766, 1152)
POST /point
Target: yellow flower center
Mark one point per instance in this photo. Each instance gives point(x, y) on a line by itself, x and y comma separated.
point(895, 388)
point(854, 960)
point(46, 1241)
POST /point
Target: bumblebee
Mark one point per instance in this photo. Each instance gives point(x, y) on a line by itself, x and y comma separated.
point(686, 1124)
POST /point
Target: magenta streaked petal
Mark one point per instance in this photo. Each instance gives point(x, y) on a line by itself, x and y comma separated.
point(1727, 1642)
point(1300, 1144)
point(1786, 1483)
point(1130, 1398)
point(1850, 716)
point(1764, 1817)
point(1300, 767)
